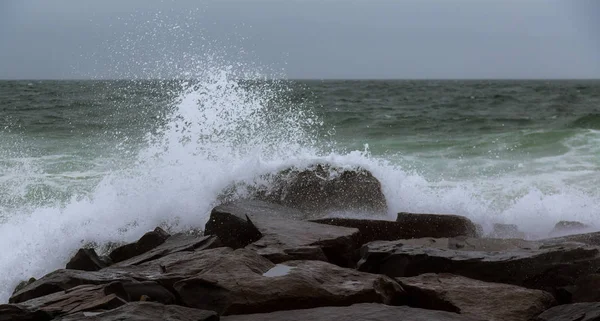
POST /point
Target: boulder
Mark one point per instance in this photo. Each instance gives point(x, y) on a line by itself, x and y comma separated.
point(180, 242)
point(322, 189)
point(273, 231)
point(147, 242)
point(506, 231)
point(571, 312)
point(356, 312)
point(586, 289)
point(78, 299)
point(438, 225)
point(12, 312)
point(529, 264)
point(86, 260)
point(245, 283)
point(145, 311)
point(23, 284)
point(61, 280)
point(563, 228)
point(483, 300)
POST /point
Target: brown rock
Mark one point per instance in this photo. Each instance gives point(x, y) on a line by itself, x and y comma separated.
point(271, 231)
point(529, 264)
point(322, 189)
point(356, 312)
point(86, 260)
point(147, 242)
point(177, 243)
point(438, 225)
point(23, 284)
point(587, 289)
point(483, 300)
point(13, 312)
point(245, 282)
point(145, 311)
point(572, 312)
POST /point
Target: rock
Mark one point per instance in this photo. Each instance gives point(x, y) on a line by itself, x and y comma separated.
point(86, 260)
point(529, 264)
point(245, 282)
point(483, 300)
point(145, 311)
point(586, 289)
point(271, 231)
point(587, 238)
point(572, 312)
point(11, 312)
point(23, 284)
point(147, 242)
point(177, 243)
point(356, 312)
point(322, 189)
point(506, 231)
point(563, 228)
point(61, 280)
point(78, 299)
point(438, 225)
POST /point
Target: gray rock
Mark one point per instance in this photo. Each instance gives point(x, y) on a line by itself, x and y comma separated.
point(86, 260)
point(506, 231)
point(13, 312)
point(563, 228)
point(145, 311)
point(273, 231)
point(483, 300)
point(438, 225)
point(245, 282)
point(572, 312)
point(147, 242)
point(356, 312)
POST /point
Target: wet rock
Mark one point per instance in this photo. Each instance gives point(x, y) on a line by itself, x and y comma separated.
point(483, 300)
point(363, 311)
point(438, 225)
point(177, 243)
point(563, 228)
point(322, 189)
point(272, 231)
point(145, 311)
point(586, 238)
point(12, 312)
point(529, 264)
point(245, 282)
point(147, 242)
point(23, 284)
point(61, 280)
point(572, 312)
point(86, 260)
point(506, 231)
point(586, 289)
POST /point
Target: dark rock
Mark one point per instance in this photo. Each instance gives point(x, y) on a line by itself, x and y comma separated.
point(322, 189)
point(271, 231)
point(12, 312)
point(529, 264)
point(356, 312)
point(506, 231)
point(145, 311)
point(61, 280)
point(147, 242)
point(148, 290)
point(245, 282)
point(86, 260)
point(572, 312)
point(78, 299)
point(563, 228)
point(177, 243)
point(438, 225)
point(483, 300)
point(23, 284)
point(587, 238)
point(586, 289)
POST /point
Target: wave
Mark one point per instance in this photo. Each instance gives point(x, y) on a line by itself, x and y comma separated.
point(589, 121)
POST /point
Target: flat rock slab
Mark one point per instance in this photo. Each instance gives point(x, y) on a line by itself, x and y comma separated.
point(528, 264)
point(13, 312)
point(356, 312)
point(245, 283)
point(274, 232)
point(572, 312)
point(586, 238)
point(484, 300)
point(438, 225)
point(145, 311)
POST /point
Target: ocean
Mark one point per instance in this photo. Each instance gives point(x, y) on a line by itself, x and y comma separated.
point(100, 160)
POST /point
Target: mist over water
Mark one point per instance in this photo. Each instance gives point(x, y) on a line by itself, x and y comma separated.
point(99, 161)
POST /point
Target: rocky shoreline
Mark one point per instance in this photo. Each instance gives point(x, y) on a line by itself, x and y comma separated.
point(259, 260)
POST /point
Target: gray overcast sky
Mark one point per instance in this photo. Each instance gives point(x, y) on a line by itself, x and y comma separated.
point(306, 39)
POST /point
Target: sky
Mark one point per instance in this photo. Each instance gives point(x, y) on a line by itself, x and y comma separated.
point(317, 39)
